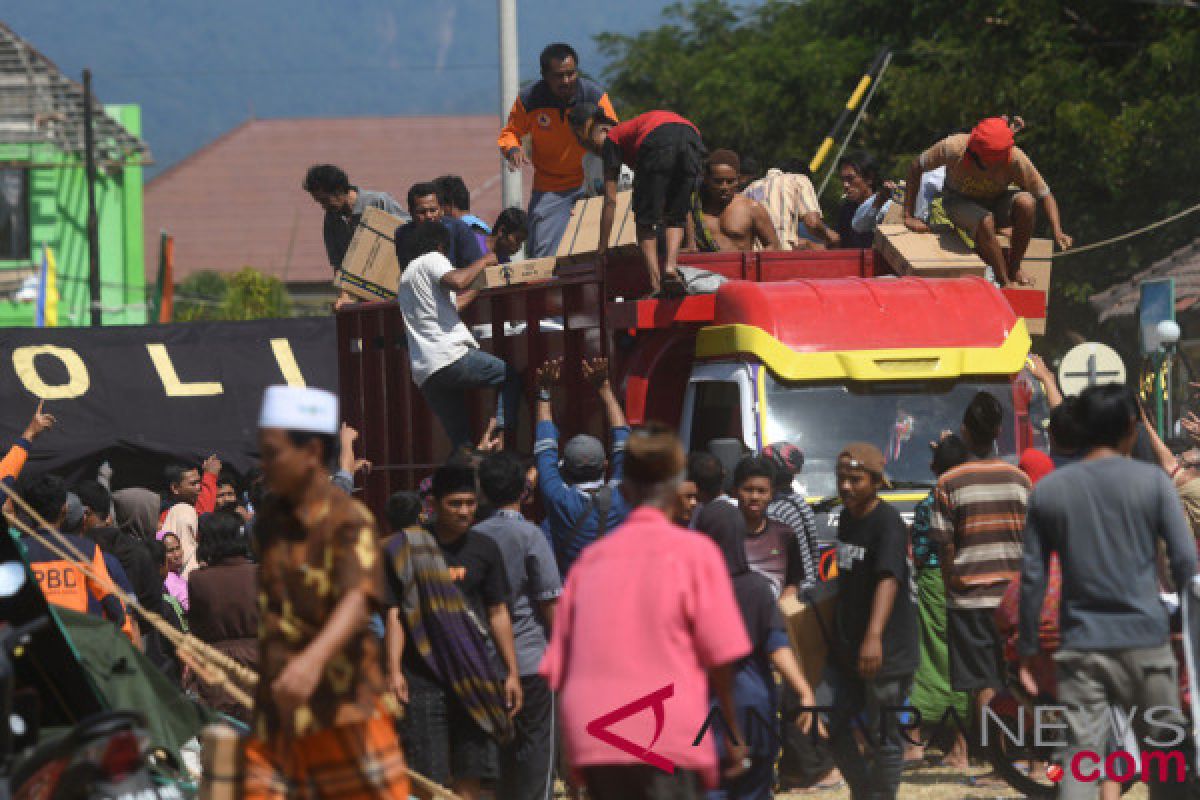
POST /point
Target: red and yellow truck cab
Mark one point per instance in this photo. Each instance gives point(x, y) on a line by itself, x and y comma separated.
point(823, 363)
point(819, 348)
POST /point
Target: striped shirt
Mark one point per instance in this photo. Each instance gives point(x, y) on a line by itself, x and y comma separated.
point(787, 198)
point(979, 508)
point(792, 510)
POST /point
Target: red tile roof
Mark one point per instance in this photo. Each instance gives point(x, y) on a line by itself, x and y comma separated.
point(237, 201)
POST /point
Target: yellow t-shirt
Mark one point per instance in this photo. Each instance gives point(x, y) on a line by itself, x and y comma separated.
point(964, 176)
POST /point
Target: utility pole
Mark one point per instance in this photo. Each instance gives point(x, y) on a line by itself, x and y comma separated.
point(93, 226)
point(511, 180)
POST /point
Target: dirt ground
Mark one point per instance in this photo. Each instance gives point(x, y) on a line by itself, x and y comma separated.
point(933, 783)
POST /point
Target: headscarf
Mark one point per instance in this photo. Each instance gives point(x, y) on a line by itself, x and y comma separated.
point(137, 512)
point(724, 524)
point(443, 633)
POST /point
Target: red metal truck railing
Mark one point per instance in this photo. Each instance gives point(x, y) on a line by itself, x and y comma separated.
point(585, 311)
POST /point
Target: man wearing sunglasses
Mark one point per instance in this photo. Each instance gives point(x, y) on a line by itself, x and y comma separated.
point(982, 169)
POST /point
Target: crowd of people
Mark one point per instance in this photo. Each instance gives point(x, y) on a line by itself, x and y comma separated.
point(483, 630)
point(480, 631)
point(688, 199)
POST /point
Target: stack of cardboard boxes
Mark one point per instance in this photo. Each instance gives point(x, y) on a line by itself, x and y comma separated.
point(370, 270)
point(944, 254)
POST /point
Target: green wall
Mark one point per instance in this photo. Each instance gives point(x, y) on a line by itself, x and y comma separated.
point(58, 217)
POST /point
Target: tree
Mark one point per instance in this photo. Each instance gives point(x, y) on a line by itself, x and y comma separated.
point(199, 297)
point(247, 294)
point(1107, 90)
point(253, 295)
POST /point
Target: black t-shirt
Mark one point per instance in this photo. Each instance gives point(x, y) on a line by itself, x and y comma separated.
point(869, 548)
point(845, 228)
point(477, 567)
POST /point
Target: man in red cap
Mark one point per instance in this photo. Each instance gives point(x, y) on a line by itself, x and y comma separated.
point(981, 169)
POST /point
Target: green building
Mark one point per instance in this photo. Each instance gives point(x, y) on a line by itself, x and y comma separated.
point(43, 193)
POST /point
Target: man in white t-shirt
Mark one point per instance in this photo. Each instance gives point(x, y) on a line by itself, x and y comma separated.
point(445, 357)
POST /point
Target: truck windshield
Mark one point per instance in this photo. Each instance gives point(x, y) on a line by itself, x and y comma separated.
point(901, 418)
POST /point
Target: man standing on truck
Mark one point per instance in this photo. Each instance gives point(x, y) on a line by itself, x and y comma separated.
point(580, 506)
point(667, 156)
point(540, 112)
point(722, 219)
point(980, 169)
point(445, 358)
point(424, 201)
point(789, 197)
point(455, 198)
point(344, 204)
point(978, 523)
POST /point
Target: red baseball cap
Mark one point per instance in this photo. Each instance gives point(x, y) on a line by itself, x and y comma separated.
point(991, 140)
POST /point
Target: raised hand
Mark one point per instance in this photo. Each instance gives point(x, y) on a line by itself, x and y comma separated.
point(491, 440)
point(549, 374)
point(40, 423)
point(595, 370)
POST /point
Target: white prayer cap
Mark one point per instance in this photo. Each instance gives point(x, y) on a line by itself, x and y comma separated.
point(294, 408)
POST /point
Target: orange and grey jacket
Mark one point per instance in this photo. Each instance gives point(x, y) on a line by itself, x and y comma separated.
point(12, 463)
point(557, 155)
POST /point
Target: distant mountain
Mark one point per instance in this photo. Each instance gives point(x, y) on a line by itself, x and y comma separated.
point(198, 69)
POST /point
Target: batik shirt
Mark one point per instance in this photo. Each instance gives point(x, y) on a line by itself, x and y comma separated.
point(307, 568)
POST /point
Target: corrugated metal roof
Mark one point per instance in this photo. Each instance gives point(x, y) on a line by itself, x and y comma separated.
point(1183, 265)
point(41, 105)
point(237, 201)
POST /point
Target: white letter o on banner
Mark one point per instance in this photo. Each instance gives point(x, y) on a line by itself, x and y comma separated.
point(78, 380)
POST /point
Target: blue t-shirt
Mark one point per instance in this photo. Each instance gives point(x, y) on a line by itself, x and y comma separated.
point(565, 503)
point(463, 250)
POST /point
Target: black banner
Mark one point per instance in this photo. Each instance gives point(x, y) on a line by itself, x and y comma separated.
point(142, 396)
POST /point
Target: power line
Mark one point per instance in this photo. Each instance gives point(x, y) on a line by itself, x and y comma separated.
point(1138, 232)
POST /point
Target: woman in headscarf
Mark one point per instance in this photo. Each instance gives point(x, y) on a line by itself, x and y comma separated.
point(174, 583)
point(137, 512)
point(754, 685)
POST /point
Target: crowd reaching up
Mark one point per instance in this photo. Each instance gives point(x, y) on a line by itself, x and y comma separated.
point(478, 631)
point(480, 621)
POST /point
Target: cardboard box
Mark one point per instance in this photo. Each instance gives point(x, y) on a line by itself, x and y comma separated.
point(531, 270)
point(1037, 266)
point(804, 631)
point(370, 270)
point(927, 255)
point(582, 236)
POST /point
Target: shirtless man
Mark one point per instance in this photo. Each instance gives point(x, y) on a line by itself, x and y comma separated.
point(724, 220)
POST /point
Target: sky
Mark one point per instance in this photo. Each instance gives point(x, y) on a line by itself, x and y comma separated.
point(200, 69)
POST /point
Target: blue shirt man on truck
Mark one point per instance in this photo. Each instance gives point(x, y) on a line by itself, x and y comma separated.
point(580, 506)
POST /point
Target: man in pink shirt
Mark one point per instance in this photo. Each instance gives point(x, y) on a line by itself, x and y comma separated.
point(646, 625)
